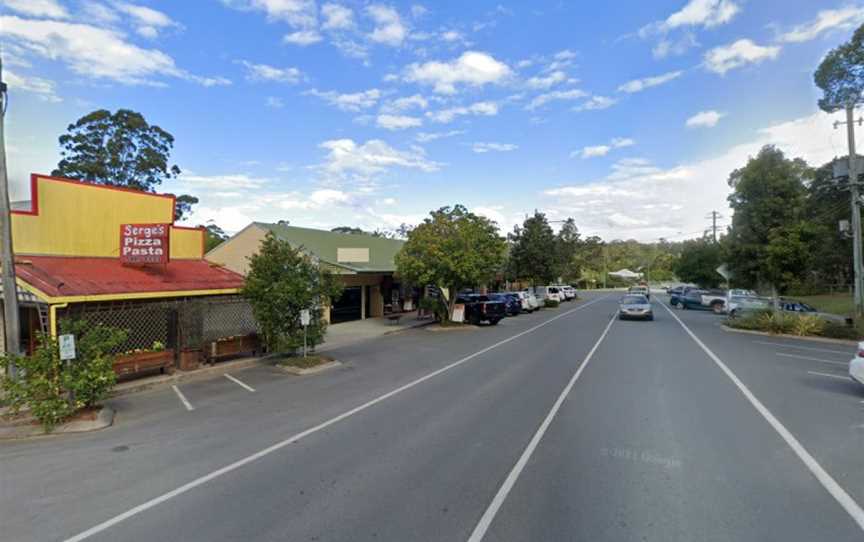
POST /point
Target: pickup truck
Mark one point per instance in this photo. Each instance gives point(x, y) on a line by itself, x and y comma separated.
point(715, 301)
point(481, 308)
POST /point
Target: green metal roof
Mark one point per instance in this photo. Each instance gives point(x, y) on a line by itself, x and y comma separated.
point(324, 244)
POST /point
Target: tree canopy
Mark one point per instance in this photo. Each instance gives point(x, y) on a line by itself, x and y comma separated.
point(840, 75)
point(698, 263)
point(533, 250)
point(453, 248)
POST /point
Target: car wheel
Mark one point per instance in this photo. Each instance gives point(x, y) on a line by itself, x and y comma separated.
point(494, 322)
point(651, 318)
point(683, 306)
point(717, 308)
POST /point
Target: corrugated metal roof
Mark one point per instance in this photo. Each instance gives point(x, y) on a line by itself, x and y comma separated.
point(58, 276)
point(324, 245)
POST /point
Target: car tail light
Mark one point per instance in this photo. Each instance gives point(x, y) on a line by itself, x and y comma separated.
point(861, 350)
point(483, 308)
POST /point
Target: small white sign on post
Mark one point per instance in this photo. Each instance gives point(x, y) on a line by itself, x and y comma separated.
point(67, 347)
point(458, 313)
point(304, 317)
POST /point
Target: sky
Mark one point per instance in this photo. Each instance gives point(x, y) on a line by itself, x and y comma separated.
point(627, 116)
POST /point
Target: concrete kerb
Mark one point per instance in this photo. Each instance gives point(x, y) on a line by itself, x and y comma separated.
point(828, 340)
point(299, 371)
point(104, 418)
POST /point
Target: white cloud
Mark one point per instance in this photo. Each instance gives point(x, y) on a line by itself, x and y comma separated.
point(351, 101)
point(38, 8)
point(416, 101)
point(96, 12)
point(556, 95)
point(621, 142)
point(231, 181)
point(545, 82)
point(740, 53)
point(452, 36)
point(275, 102)
point(472, 68)
point(638, 85)
point(487, 109)
point(347, 159)
point(303, 37)
point(593, 151)
point(328, 196)
point(425, 137)
point(389, 29)
point(297, 13)
point(705, 119)
point(707, 13)
point(845, 18)
point(643, 201)
point(336, 17)
point(481, 148)
point(596, 103)
point(45, 89)
point(398, 122)
point(149, 21)
point(265, 72)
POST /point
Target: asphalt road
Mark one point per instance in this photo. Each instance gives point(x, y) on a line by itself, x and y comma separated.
point(500, 433)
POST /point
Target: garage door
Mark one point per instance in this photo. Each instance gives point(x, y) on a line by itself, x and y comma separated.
point(347, 307)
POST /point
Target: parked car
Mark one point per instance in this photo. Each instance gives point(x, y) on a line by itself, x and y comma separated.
point(692, 300)
point(677, 293)
point(528, 300)
point(741, 293)
point(569, 292)
point(640, 290)
point(512, 303)
point(739, 305)
point(635, 306)
point(856, 366)
point(548, 292)
point(789, 305)
point(715, 300)
point(481, 308)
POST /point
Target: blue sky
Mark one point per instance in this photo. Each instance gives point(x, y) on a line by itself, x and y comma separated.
point(628, 117)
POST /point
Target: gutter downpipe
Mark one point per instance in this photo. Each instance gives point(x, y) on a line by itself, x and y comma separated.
point(52, 317)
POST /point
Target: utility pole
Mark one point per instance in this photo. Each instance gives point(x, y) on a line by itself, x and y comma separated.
point(7, 273)
point(714, 216)
point(856, 212)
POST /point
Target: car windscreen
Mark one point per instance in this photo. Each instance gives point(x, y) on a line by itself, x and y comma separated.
point(634, 300)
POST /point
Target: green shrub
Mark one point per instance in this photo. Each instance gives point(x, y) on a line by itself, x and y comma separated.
point(777, 322)
point(44, 382)
point(551, 303)
point(839, 331)
point(807, 325)
point(434, 305)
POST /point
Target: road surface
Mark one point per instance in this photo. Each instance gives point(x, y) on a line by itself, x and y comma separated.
point(562, 425)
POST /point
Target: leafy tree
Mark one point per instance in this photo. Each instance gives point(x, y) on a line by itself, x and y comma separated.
point(119, 149)
point(698, 263)
point(454, 249)
point(567, 245)
point(840, 75)
point(533, 250)
point(213, 236)
point(183, 205)
point(769, 203)
point(827, 205)
point(347, 229)
point(280, 283)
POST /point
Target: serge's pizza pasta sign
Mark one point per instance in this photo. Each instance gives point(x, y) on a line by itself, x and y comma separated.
point(144, 243)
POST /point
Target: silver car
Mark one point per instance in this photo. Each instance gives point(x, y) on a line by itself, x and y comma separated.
point(635, 306)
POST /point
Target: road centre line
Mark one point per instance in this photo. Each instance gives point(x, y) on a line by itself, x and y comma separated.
point(843, 364)
point(298, 436)
point(239, 382)
point(497, 501)
point(829, 375)
point(846, 353)
point(830, 485)
point(182, 397)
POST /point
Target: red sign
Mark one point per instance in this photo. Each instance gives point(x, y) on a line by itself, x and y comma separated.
point(144, 243)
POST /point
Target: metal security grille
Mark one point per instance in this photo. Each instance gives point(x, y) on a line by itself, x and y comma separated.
point(145, 323)
point(206, 320)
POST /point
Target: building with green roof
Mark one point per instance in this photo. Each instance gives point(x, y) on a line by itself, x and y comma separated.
point(365, 263)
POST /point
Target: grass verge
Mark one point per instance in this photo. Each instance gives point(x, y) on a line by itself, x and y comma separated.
point(310, 361)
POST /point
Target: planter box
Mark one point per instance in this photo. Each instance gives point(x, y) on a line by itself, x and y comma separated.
point(144, 361)
point(190, 359)
point(233, 346)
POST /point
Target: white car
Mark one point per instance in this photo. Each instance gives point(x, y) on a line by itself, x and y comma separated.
point(856, 366)
point(528, 300)
point(569, 292)
point(548, 292)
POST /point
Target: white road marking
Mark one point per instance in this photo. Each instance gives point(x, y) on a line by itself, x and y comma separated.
point(813, 359)
point(829, 375)
point(845, 353)
point(239, 382)
point(294, 438)
point(183, 399)
point(510, 481)
point(830, 485)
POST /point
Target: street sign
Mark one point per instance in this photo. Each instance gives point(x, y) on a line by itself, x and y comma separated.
point(67, 347)
point(304, 317)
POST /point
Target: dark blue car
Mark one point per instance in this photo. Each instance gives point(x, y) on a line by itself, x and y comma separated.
point(512, 303)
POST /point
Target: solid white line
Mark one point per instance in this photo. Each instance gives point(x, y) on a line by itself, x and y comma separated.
point(239, 383)
point(813, 359)
point(510, 481)
point(846, 353)
point(829, 375)
point(183, 399)
point(830, 485)
point(294, 438)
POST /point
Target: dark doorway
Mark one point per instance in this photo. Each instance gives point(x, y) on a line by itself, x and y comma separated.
point(348, 307)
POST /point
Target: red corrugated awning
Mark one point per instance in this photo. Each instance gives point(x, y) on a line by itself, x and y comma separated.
point(71, 276)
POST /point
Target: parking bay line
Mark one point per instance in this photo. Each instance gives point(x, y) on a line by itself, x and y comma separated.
point(183, 399)
point(294, 438)
point(830, 484)
point(239, 382)
point(812, 359)
point(839, 352)
point(829, 375)
point(499, 498)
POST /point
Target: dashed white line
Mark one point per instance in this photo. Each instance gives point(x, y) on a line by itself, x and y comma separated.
point(491, 511)
point(105, 525)
point(813, 359)
point(182, 397)
point(845, 353)
point(829, 375)
point(829, 483)
point(239, 382)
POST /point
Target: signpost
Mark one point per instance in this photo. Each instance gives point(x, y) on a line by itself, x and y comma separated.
point(304, 321)
point(67, 354)
point(144, 243)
